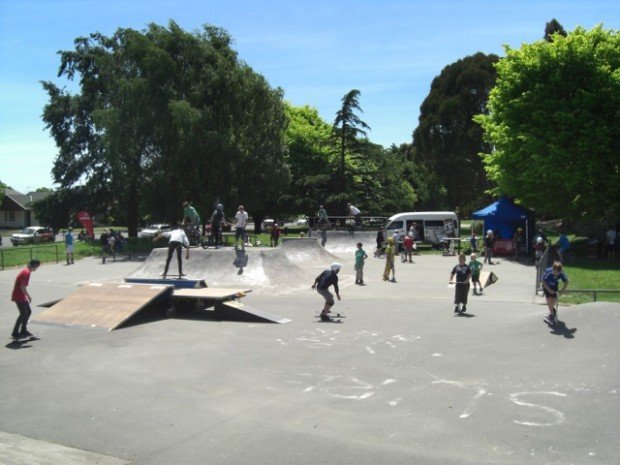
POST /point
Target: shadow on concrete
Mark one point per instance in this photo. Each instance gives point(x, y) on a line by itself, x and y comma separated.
point(560, 329)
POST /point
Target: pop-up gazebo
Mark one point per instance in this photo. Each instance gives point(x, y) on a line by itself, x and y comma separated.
point(505, 217)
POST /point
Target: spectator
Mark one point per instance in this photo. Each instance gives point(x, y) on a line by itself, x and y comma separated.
point(69, 246)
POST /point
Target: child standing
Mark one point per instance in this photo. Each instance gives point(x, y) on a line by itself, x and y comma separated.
point(462, 271)
point(389, 260)
point(360, 256)
point(476, 268)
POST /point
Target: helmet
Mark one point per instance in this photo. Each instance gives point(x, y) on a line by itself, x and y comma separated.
point(539, 240)
point(336, 266)
point(489, 232)
point(219, 206)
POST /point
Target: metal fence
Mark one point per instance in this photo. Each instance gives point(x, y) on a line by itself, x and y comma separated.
point(14, 254)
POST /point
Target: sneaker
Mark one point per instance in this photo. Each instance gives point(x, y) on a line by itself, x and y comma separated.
point(14, 336)
point(325, 318)
point(26, 334)
point(463, 309)
point(456, 309)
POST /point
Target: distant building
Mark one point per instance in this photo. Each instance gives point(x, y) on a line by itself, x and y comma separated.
point(16, 209)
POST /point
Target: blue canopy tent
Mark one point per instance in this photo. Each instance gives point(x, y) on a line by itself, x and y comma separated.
point(505, 217)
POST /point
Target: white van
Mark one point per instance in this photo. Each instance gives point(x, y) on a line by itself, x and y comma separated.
point(430, 227)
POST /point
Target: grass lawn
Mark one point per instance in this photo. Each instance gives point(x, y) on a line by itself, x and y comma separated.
point(592, 274)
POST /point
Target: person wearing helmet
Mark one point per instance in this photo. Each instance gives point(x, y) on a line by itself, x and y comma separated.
point(322, 283)
point(217, 218)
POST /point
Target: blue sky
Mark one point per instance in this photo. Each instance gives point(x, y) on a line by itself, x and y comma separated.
point(315, 50)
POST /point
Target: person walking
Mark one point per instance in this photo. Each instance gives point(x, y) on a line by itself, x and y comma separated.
point(241, 221)
point(489, 241)
point(550, 284)
point(322, 284)
point(69, 246)
point(611, 237)
point(380, 239)
point(389, 261)
point(275, 235)
point(473, 242)
point(22, 299)
point(476, 268)
point(408, 247)
point(462, 271)
point(178, 240)
point(360, 256)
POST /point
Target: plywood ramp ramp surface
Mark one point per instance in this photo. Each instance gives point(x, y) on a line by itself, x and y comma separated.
point(103, 305)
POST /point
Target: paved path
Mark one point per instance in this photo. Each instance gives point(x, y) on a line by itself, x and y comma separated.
point(401, 381)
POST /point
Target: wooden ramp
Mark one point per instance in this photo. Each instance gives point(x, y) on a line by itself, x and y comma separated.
point(104, 305)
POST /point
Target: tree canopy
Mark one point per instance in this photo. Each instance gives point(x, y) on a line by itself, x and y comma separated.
point(554, 125)
point(164, 116)
point(447, 141)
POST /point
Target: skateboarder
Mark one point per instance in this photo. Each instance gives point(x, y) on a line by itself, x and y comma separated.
point(322, 283)
point(550, 282)
point(216, 225)
point(178, 240)
point(22, 299)
point(462, 271)
point(357, 214)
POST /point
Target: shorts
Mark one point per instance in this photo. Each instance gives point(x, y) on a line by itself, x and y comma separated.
point(70, 248)
point(328, 296)
point(548, 294)
point(461, 291)
point(475, 278)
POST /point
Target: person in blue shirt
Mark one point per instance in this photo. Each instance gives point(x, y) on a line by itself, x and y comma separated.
point(322, 283)
point(69, 246)
point(563, 244)
point(550, 285)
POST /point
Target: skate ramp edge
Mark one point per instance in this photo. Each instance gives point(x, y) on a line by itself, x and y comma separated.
point(267, 269)
point(237, 311)
point(104, 305)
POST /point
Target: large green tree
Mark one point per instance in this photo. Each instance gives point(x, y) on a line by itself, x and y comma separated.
point(164, 116)
point(348, 127)
point(309, 143)
point(447, 141)
point(554, 125)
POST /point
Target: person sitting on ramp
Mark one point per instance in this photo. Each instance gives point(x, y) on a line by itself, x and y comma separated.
point(322, 283)
point(178, 240)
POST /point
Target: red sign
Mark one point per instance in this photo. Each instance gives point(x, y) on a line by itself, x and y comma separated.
point(87, 222)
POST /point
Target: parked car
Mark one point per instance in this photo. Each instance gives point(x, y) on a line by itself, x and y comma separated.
point(33, 235)
point(154, 229)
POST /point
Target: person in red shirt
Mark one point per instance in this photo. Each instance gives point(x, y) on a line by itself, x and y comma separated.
point(22, 299)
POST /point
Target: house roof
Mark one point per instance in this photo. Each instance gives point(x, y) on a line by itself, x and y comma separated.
point(24, 201)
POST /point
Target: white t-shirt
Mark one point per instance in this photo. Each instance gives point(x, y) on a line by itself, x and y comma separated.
point(612, 235)
point(242, 219)
point(178, 235)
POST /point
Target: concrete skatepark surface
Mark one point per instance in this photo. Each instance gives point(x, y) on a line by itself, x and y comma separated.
point(399, 381)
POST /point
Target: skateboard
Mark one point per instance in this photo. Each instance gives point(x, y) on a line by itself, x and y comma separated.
point(332, 318)
point(21, 340)
point(167, 276)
